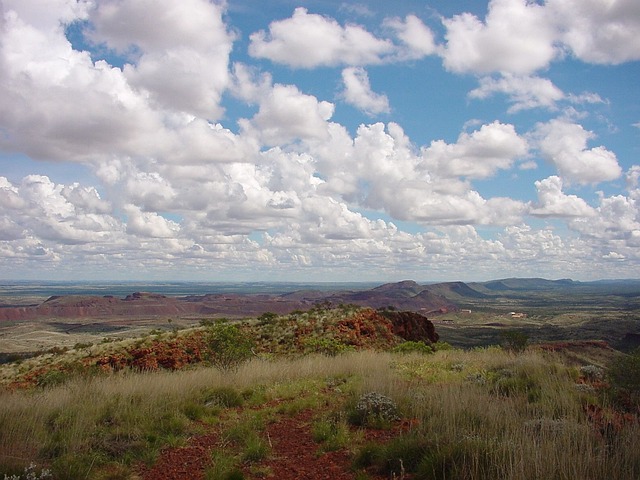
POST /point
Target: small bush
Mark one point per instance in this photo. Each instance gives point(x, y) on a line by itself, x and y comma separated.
point(225, 397)
point(624, 377)
point(373, 409)
point(441, 346)
point(591, 372)
point(393, 459)
point(332, 432)
point(515, 341)
point(30, 473)
point(267, 318)
point(413, 347)
point(230, 346)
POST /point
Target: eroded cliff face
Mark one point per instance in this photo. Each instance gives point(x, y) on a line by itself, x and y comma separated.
point(412, 326)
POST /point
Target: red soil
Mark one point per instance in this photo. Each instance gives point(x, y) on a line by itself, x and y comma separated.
point(294, 455)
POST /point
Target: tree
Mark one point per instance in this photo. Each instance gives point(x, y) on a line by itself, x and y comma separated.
point(514, 341)
point(229, 346)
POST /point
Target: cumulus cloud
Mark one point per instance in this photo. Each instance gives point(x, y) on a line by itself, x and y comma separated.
point(418, 39)
point(149, 224)
point(40, 208)
point(516, 37)
point(382, 170)
point(357, 92)
point(287, 114)
point(307, 40)
point(564, 144)
point(477, 155)
point(614, 229)
point(182, 49)
point(521, 37)
point(552, 202)
point(599, 31)
point(169, 179)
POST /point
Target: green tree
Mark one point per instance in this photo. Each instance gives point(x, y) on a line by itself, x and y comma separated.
point(514, 341)
point(229, 346)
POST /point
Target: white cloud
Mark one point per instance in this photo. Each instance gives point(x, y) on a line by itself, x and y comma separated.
point(357, 92)
point(516, 37)
point(415, 35)
point(307, 40)
point(599, 31)
point(614, 230)
point(564, 144)
point(39, 208)
point(182, 49)
point(287, 114)
point(552, 202)
point(249, 84)
point(524, 92)
point(149, 224)
point(521, 36)
point(382, 170)
point(289, 189)
point(477, 155)
point(149, 189)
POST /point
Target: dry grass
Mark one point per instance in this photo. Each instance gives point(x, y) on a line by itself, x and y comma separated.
point(483, 414)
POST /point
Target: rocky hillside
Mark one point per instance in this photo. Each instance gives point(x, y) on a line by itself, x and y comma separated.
point(402, 296)
point(320, 330)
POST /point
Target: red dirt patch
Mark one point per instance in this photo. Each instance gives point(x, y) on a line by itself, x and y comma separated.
point(294, 455)
point(181, 463)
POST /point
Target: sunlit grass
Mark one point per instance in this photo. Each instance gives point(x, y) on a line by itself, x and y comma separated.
point(485, 413)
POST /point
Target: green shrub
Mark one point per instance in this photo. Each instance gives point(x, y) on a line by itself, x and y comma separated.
point(230, 346)
point(225, 397)
point(223, 467)
point(255, 449)
point(393, 459)
point(332, 432)
point(267, 318)
point(441, 346)
point(624, 378)
point(413, 347)
point(506, 383)
point(514, 341)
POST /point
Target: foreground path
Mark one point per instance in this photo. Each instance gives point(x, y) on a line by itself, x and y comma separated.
point(294, 455)
point(184, 463)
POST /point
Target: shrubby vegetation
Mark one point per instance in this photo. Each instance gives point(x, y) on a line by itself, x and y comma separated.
point(484, 413)
point(229, 345)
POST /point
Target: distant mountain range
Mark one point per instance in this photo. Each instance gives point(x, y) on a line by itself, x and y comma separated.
point(406, 295)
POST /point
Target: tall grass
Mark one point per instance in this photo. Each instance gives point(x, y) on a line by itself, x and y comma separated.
point(475, 414)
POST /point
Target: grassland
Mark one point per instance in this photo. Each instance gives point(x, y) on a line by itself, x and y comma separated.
point(460, 413)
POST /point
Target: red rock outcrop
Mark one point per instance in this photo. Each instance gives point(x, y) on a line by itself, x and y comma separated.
point(412, 326)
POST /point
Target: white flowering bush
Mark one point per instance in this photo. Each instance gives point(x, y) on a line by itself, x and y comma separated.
point(592, 372)
point(30, 473)
point(374, 409)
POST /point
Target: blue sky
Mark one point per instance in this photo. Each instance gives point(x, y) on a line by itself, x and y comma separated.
point(319, 140)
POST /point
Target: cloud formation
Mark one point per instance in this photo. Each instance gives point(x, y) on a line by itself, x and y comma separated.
point(158, 142)
point(357, 92)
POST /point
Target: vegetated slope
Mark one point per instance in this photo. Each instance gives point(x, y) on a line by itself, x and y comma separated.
point(320, 330)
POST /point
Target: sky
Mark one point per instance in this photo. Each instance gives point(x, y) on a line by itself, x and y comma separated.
point(319, 140)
